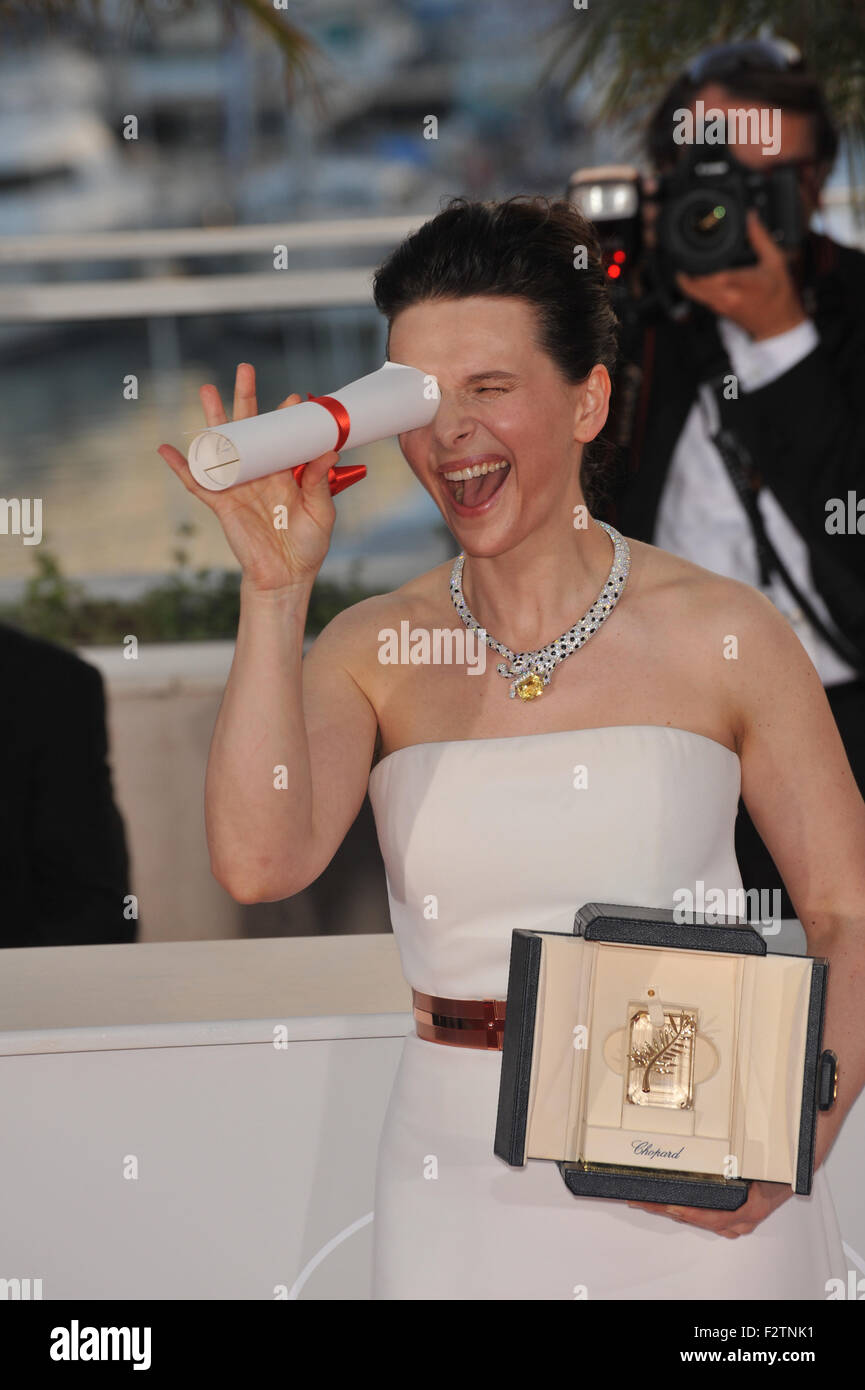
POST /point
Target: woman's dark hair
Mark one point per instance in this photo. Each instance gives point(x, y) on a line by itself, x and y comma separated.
point(793, 90)
point(528, 247)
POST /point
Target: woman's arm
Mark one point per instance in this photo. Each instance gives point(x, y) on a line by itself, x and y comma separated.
point(803, 799)
point(271, 835)
point(801, 794)
point(290, 754)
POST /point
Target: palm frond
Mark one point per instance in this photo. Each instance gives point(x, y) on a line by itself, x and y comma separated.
point(668, 1043)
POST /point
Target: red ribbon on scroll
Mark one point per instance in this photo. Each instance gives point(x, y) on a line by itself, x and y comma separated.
point(340, 415)
point(338, 478)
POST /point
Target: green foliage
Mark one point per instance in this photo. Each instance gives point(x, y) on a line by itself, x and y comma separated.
point(186, 606)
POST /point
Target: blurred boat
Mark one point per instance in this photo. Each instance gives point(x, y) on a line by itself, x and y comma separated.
point(61, 167)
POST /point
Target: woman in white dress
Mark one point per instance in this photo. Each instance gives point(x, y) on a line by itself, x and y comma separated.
point(667, 687)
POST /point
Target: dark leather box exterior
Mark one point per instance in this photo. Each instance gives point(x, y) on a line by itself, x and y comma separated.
point(649, 927)
point(654, 926)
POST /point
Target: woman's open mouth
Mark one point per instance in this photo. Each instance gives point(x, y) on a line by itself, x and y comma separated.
point(472, 489)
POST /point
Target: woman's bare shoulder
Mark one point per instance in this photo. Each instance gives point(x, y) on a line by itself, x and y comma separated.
point(698, 594)
point(721, 637)
point(727, 630)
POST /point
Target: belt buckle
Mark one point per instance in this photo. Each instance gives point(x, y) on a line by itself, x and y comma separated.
point(493, 1024)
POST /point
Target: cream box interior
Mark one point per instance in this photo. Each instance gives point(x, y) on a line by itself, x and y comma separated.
point(724, 1097)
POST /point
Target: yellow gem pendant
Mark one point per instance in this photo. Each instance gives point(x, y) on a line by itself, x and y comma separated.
point(529, 672)
point(530, 686)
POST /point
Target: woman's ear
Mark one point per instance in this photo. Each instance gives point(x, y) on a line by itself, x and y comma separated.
point(593, 405)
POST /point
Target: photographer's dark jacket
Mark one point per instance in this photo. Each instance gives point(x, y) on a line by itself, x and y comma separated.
point(804, 431)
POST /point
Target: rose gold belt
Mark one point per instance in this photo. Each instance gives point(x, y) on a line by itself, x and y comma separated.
point(459, 1022)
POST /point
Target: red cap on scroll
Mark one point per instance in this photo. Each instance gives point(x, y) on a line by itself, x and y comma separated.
point(338, 478)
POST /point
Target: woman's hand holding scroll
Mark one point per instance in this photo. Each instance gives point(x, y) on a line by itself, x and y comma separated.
point(279, 530)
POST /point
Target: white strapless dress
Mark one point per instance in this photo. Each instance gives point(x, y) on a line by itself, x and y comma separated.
point(480, 836)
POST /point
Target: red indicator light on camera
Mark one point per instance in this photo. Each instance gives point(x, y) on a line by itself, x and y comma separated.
point(614, 271)
point(619, 257)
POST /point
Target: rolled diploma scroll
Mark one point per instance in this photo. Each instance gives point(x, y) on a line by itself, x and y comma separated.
point(390, 401)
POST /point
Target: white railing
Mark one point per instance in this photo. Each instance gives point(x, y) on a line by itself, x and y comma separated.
point(155, 293)
point(206, 241)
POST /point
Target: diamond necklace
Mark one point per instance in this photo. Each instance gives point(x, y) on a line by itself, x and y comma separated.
point(529, 672)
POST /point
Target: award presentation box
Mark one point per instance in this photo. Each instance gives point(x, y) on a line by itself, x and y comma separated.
point(660, 1061)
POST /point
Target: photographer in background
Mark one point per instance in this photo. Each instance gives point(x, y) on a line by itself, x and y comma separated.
point(739, 404)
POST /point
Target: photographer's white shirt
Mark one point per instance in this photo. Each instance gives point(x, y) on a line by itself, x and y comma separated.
point(701, 518)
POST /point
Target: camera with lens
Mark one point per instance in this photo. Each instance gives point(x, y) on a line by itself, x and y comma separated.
point(700, 212)
point(703, 207)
